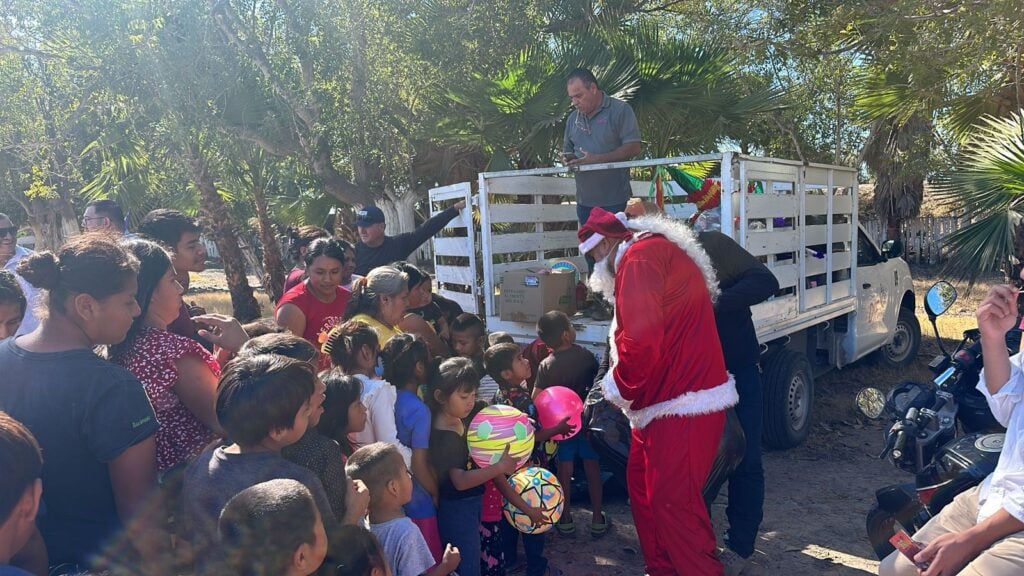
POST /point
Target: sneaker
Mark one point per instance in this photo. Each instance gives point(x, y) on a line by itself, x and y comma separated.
point(733, 563)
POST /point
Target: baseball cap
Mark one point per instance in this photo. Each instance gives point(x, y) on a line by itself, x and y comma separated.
point(369, 215)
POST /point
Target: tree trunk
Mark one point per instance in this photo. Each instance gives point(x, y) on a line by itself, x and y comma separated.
point(219, 222)
point(399, 211)
point(273, 283)
point(48, 218)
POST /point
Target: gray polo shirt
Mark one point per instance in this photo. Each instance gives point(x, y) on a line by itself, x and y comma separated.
point(611, 126)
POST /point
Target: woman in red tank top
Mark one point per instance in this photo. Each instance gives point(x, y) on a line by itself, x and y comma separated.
point(313, 307)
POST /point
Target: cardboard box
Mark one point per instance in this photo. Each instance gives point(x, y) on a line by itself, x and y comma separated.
point(528, 294)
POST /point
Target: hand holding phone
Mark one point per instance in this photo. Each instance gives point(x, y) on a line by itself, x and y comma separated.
point(909, 548)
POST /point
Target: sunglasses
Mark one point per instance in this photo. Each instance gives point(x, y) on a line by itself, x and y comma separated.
point(9, 231)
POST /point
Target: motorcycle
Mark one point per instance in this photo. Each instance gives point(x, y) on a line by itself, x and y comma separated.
point(943, 432)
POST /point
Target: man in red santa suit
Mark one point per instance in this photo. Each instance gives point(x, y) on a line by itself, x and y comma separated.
point(667, 373)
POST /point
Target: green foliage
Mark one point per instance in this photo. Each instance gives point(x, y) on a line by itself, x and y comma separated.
point(989, 182)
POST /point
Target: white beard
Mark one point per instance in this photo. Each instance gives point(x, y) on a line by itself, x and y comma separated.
point(602, 280)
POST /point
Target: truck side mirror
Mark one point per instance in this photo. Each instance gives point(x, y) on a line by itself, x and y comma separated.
point(892, 249)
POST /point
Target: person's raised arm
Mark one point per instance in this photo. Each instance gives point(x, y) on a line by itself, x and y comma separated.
point(997, 315)
point(410, 241)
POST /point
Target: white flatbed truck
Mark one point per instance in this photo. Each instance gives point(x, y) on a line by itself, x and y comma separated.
point(841, 297)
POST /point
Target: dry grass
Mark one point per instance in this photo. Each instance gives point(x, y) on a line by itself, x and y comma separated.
point(220, 302)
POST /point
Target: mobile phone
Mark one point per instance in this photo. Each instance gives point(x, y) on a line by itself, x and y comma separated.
point(566, 156)
point(908, 547)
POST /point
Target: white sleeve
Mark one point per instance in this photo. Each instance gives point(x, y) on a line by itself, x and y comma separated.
point(382, 406)
point(1003, 402)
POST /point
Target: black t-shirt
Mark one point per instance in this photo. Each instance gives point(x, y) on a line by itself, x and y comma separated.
point(85, 412)
point(395, 248)
point(449, 450)
point(574, 368)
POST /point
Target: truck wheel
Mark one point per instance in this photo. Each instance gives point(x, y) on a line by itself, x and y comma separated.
point(789, 393)
point(901, 351)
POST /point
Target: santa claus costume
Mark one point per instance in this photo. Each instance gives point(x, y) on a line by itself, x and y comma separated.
point(667, 373)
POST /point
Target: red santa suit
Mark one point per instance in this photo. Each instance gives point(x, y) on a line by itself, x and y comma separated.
point(667, 374)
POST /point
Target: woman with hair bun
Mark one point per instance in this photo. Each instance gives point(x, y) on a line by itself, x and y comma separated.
point(299, 240)
point(380, 300)
point(315, 305)
point(91, 417)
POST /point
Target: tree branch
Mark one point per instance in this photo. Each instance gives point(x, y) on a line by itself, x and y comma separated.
point(227, 21)
point(280, 150)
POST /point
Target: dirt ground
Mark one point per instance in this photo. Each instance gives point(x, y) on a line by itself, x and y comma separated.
point(817, 495)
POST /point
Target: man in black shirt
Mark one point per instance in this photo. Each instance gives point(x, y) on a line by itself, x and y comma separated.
point(744, 281)
point(378, 249)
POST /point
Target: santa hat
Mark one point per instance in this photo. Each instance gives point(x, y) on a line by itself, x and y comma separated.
point(600, 225)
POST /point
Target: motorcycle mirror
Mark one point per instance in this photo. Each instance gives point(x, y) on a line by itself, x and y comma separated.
point(939, 298)
point(870, 402)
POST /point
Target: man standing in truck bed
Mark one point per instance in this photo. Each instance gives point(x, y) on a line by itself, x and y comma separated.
point(601, 129)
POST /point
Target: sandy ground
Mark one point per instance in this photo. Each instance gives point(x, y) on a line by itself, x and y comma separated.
point(817, 495)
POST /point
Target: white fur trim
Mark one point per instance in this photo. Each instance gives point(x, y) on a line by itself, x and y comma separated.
point(602, 280)
point(705, 401)
point(590, 243)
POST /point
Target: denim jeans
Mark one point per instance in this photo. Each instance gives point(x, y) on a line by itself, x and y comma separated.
point(583, 212)
point(458, 521)
point(746, 484)
point(536, 563)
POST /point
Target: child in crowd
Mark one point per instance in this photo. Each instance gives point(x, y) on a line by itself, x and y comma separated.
point(574, 367)
point(510, 370)
point(469, 340)
point(406, 360)
point(344, 414)
point(535, 352)
point(271, 528)
point(314, 451)
point(354, 347)
point(12, 304)
point(459, 482)
point(499, 338)
point(381, 467)
point(21, 486)
point(264, 403)
point(361, 555)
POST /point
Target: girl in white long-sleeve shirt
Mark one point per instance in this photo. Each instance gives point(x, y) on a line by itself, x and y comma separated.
point(353, 347)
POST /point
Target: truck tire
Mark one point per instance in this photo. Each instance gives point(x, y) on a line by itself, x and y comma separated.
point(901, 351)
point(788, 398)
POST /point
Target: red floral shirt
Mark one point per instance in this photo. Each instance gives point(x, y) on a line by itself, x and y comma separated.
point(152, 360)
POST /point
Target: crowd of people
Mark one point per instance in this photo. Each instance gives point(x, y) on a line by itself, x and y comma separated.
point(139, 433)
point(143, 433)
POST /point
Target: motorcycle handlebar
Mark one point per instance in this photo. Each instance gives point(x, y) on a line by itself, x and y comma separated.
point(901, 441)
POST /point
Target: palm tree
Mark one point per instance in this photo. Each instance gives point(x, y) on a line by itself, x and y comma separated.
point(989, 184)
point(687, 95)
point(897, 153)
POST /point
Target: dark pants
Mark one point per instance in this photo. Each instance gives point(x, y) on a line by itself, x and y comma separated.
point(458, 521)
point(746, 484)
point(536, 563)
point(583, 212)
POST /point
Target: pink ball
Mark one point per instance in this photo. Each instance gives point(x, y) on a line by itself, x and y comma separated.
point(555, 403)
